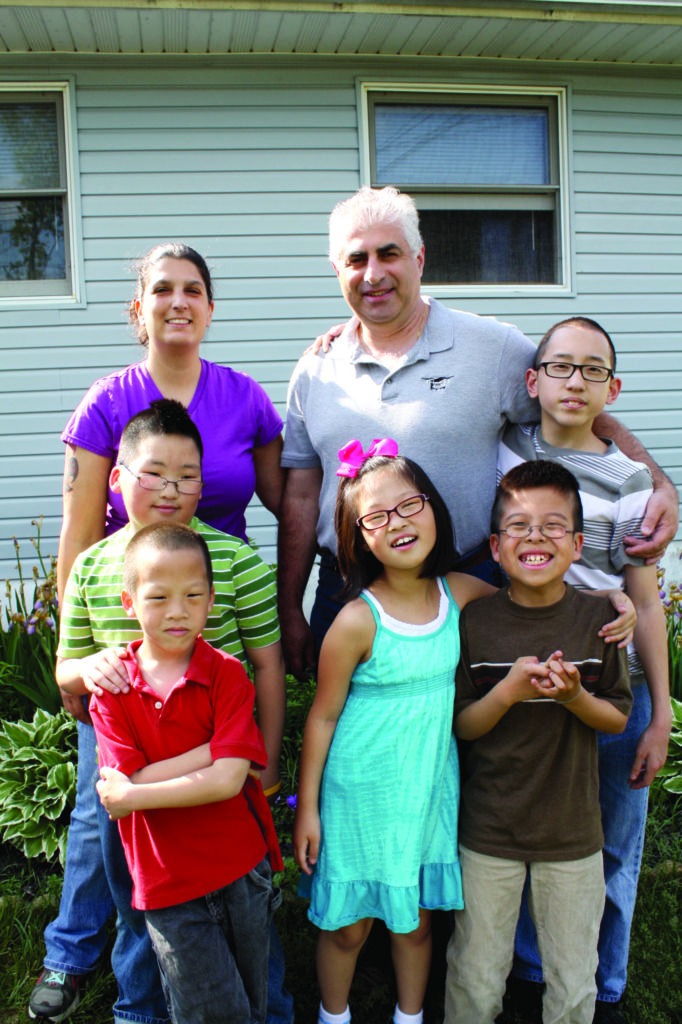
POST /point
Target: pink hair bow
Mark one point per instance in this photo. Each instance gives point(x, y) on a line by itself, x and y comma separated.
point(352, 455)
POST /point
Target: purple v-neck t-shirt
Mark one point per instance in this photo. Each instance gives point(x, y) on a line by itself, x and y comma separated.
point(233, 413)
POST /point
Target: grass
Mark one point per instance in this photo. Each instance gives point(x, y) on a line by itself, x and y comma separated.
point(29, 896)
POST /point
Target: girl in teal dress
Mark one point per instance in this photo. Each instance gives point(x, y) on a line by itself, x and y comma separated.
point(376, 820)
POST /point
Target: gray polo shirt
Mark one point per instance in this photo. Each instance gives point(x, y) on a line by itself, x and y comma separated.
point(446, 405)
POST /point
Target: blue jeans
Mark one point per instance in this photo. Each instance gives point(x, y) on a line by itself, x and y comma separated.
point(623, 820)
point(77, 937)
point(213, 951)
point(93, 889)
point(140, 994)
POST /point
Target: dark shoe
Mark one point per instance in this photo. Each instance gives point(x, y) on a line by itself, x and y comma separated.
point(607, 1013)
point(55, 996)
point(523, 1001)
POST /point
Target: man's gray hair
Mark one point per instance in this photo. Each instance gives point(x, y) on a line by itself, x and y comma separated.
point(370, 206)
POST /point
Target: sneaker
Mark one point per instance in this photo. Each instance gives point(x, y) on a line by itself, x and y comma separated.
point(607, 1013)
point(54, 997)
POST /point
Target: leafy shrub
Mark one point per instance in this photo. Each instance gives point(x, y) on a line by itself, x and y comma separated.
point(672, 606)
point(671, 772)
point(38, 783)
point(29, 627)
point(300, 694)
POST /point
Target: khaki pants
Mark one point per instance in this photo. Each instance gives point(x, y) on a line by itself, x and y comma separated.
point(566, 902)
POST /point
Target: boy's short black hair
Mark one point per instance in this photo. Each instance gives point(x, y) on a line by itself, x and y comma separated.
point(358, 565)
point(574, 321)
point(163, 537)
point(528, 476)
point(164, 416)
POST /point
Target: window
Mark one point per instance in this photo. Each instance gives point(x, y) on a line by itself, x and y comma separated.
point(484, 167)
point(35, 226)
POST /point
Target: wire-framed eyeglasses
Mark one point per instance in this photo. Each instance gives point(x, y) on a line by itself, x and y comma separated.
point(590, 372)
point(154, 482)
point(551, 530)
point(405, 508)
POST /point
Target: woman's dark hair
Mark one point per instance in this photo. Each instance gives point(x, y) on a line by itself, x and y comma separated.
point(358, 565)
point(529, 476)
point(166, 250)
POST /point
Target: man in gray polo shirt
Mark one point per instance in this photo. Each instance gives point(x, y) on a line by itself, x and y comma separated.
point(441, 382)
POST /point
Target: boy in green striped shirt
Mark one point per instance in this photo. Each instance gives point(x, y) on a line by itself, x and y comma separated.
point(159, 445)
point(158, 474)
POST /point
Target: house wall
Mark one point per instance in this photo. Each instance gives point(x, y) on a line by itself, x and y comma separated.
point(244, 158)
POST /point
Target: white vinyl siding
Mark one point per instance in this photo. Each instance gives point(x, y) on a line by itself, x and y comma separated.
point(244, 160)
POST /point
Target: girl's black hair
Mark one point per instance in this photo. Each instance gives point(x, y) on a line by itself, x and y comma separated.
point(358, 565)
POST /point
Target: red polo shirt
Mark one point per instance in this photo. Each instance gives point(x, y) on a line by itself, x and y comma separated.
point(180, 853)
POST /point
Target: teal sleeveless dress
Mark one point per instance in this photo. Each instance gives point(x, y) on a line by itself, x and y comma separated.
point(390, 789)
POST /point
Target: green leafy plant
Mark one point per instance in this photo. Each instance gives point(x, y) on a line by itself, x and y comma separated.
point(29, 628)
point(38, 783)
point(671, 773)
point(672, 606)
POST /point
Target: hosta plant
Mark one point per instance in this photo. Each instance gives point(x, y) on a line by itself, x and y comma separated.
point(671, 772)
point(38, 783)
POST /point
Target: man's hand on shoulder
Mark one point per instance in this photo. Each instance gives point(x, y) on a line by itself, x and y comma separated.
point(323, 342)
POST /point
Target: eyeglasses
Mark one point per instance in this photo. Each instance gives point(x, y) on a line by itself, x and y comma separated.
point(590, 371)
point(406, 508)
point(554, 531)
point(153, 482)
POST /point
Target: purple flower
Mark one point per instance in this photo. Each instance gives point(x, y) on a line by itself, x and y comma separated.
point(30, 628)
point(38, 605)
point(50, 621)
point(291, 800)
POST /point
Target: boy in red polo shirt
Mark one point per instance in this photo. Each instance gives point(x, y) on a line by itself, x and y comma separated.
point(196, 842)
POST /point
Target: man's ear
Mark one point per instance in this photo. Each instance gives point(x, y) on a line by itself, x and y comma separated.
point(532, 382)
point(212, 598)
point(114, 478)
point(127, 602)
point(495, 546)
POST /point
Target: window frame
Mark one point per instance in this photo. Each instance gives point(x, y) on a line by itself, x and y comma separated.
point(43, 293)
point(556, 95)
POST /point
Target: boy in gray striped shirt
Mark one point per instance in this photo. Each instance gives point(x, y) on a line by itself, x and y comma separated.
point(573, 377)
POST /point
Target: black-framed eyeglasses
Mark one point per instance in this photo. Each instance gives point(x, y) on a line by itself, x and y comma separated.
point(405, 508)
point(554, 531)
point(590, 371)
point(153, 482)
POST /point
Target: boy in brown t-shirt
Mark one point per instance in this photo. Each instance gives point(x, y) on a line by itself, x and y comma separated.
point(529, 766)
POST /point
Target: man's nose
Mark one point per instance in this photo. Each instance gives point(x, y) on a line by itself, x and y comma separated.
point(373, 270)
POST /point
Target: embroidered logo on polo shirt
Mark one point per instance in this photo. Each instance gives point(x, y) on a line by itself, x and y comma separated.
point(437, 383)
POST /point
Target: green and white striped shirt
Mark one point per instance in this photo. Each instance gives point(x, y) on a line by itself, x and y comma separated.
point(244, 613)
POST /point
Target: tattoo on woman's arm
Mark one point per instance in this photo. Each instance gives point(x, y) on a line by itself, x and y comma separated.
point(70, 474)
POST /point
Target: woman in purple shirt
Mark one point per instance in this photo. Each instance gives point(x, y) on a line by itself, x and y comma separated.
point(241, 431)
